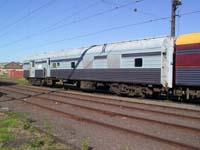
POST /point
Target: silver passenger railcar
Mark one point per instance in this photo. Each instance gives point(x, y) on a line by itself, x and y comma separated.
point(140, 67)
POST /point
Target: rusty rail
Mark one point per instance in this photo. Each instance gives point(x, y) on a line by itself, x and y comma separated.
point(83, 119)
point(85, 98)
point(111, 113)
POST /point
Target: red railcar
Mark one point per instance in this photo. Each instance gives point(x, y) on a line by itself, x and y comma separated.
point(187, 68)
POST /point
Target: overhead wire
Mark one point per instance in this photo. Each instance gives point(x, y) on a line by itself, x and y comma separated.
point(52, 28)
point(75, 13)
point(138, 11)
point(98, 32)
point(112, 28)
point(89, 17)
point(22, 8)
point(114, 3)
point(44, 30)
point(147, 13)
point(183, 14)
point(189, 13)
point(24, 17)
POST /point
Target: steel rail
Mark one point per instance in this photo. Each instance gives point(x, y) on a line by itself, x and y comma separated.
point(128, 131)
point(111, 99)
point(111, 113)
point(87, 120)
point(128, 102)
point(22, 93)
point(32, 87)
point(115, 105)
point(127, 107)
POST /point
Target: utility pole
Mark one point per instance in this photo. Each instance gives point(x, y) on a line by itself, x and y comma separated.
point(175, 4)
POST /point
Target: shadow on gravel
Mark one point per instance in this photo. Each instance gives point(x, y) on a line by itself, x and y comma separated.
point(7, 82)
point(1, 94)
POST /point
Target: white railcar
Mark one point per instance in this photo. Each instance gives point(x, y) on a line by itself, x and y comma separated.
point(136, 67)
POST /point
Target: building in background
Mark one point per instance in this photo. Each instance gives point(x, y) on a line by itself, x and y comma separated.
point(13, 65)
point(2, 65)
point(11, 70)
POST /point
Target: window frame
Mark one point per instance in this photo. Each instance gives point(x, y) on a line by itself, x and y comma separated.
point(33, 64)
point(136, 63)
point(58, 64)
point(54, 65)
point(73, 65)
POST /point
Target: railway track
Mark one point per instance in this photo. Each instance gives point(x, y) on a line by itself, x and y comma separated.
point(39, 96)
point(166, 110)
point(79, 95)
point(112, 113)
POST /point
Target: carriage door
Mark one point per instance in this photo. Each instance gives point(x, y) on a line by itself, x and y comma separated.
point(48, 67)
point(32, 72)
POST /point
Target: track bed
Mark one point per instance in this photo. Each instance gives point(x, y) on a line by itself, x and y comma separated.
point(110, 122)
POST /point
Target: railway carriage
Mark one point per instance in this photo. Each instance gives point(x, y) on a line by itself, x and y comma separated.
point(187, 66)
point(154, 66)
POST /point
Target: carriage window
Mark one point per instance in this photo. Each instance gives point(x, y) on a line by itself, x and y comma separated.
point(138, 62)
point(72, 64)
point(54, 65)
point(58, 64)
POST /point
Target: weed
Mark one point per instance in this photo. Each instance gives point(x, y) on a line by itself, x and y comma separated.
point(4, 130)
point(85, 144)
point(15, 127)
point(37, 142)
point(27, 123)
point(47, 126)
point(3, 75)
point(5, 137)
point(4, 148)
point(22, 81)
point(49, 140)
point(9, 122)
point(32, 129)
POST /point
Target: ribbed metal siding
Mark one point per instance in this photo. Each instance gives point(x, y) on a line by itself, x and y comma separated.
point(150, 75)
point(65, 60)
point(142, 54)
point(188, 65)
point(39, 73)
point(188, 76)
point(26, 73)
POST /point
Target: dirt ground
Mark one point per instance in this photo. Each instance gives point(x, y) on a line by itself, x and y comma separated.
point(18, 133)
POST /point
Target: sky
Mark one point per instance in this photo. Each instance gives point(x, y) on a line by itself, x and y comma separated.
point(30, 27)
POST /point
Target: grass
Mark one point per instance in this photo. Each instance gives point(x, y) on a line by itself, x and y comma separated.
point(37, 142)
point(5, 137)
point(17, 128)
point(6, 123)
point(9, 122)
point(85, 144)
point(19, 81)
point(3, 75)
point(22, 81)
point(3, 130)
